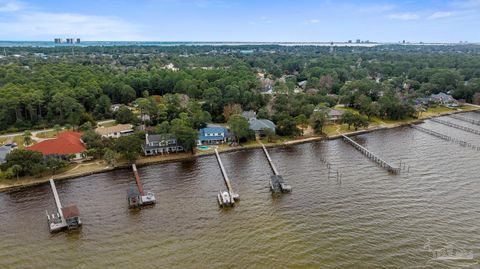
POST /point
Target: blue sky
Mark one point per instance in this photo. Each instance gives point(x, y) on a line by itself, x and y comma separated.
point(241, 20)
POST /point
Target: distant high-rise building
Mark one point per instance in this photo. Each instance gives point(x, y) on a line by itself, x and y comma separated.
point(78, 40)
point(58, 40)
point(350, 41)
point(69, 40)
point(358, 41)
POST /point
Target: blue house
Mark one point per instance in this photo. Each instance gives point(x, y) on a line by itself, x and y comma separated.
point(212, 135)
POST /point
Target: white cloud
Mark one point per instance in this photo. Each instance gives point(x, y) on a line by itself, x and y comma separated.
point(404, 16)
point(10, 5)
point(440, 15)
point(43, 24)
point(312, 21)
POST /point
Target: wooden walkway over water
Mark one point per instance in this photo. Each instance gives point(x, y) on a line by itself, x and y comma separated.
point(456, 126)
point(225, 198)
point(446, 137)
point(373, 157)
point(277, 183)
point(465, 119)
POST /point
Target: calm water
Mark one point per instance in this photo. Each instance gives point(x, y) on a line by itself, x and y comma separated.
point(369, 219)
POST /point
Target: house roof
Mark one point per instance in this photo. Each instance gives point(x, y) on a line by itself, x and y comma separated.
point(160, 137)
point(208, 130)
point(335, 112)
point(66, 143)
point(70, 211)
point(442, 96)
point(259, 124)
point(113, 129)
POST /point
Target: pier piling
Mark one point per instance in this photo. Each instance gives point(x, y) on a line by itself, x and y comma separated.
point(372, 156)
point(456, 126)
point(465, 119)
point(445, 137)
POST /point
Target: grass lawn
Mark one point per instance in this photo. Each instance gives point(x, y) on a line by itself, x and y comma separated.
point(49, 134)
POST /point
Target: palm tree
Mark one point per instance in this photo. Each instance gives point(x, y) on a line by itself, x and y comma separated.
point(57, 128)
point(27, 138)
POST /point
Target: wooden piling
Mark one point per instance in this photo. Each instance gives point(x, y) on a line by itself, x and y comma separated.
point(372, 156)
point(456, 126)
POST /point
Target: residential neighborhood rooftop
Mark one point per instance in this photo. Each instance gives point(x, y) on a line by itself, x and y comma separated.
point(66, 143)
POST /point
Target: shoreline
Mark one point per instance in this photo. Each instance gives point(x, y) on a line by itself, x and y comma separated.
point(177, 157)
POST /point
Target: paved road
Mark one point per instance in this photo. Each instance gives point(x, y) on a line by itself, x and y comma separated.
point(35, 133)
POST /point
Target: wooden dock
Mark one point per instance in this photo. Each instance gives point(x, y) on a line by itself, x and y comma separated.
point(137, 197)
point(465, 119)
point(456, 126)
point(225, 198)
point(446, 137)
point(277, 183)
point(64, 217)
point(373, 157)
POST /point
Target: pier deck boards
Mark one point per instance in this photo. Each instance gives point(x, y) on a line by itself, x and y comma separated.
point(373, 157)
point(277, 183)
point(446, 137)
point(456, 126)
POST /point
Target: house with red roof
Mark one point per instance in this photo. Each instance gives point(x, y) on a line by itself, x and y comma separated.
point(66, 144)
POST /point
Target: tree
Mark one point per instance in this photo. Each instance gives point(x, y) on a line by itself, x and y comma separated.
point(110, 157)
point(87, 126)
point(16, 170)
point(30, 162)
point(302, 121)
point(318, 120)
point(129, 147)
point(231, 109)
point(124, 115)
point(186, 136)
point(348, 118)
point(54, 164)
point(27, 138)
point(57, 128)
point(287, 126)
point(239, 127)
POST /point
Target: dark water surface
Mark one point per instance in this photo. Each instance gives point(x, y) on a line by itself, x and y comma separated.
point(368, 219)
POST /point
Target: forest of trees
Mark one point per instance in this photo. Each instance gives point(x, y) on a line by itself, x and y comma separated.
point(58, 87)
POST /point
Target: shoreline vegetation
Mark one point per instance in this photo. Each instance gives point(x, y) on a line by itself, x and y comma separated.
point(331, 132)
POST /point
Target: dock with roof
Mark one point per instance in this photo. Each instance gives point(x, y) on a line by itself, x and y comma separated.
point(277, 183)
point(65, 217)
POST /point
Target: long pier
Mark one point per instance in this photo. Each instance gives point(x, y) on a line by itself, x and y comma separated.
point(445, 137)
point(373, 157)
point(277, 184)
point(456, 126)
point(138, 198)
point(225, 198)
point(465, 119)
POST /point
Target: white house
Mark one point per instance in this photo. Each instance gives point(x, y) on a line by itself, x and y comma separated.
point(115, 131)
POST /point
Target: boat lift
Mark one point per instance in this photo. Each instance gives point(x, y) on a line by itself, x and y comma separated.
point(226, 198)
point(136, 197)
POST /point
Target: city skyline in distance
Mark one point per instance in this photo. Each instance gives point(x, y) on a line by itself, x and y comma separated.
point(433, 21)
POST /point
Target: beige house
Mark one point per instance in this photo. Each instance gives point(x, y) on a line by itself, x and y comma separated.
point(115, 131)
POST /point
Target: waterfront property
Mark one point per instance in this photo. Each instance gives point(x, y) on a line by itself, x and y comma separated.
point(260, 125)
point(334, 115)
point(160, 144)
point(67, 145)
point(136, 197)
point(212, 135)
point(116, 131)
